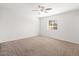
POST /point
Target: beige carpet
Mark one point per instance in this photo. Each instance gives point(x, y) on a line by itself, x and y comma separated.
point(38, 46)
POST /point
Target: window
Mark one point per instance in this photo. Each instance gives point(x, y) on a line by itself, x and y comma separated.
point(52, 25)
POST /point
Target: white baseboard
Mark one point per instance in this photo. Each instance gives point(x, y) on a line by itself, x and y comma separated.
point(16, 38)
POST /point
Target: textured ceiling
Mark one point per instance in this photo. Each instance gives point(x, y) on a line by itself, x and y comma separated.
point(26, 8)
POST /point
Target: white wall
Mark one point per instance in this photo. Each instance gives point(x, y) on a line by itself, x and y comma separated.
point(16, 22)
point(68, 26)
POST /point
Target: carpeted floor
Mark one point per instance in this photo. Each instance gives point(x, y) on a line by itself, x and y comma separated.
point(39, 46)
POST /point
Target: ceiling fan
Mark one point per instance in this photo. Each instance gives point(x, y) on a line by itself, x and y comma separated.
point(42, 8)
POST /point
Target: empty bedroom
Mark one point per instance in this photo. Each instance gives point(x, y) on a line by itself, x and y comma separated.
point(39, 29)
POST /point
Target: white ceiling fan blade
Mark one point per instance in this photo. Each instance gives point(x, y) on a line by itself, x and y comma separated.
point(35, 10)
point(48, 9)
